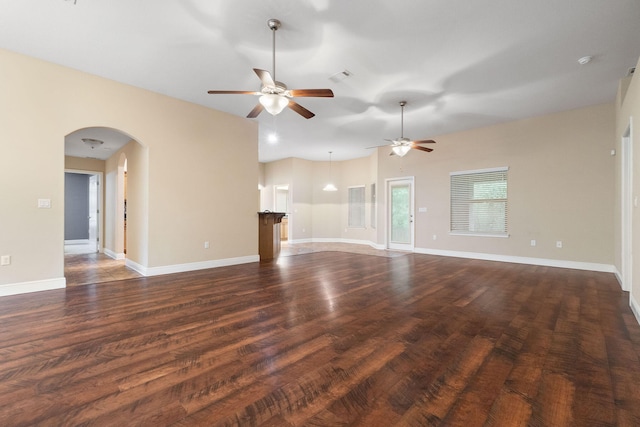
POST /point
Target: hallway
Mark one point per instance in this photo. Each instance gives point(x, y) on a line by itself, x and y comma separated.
point(85, 269)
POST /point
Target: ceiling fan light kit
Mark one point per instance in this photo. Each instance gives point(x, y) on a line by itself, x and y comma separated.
point(400, 150)
point(274, 104)
point(93, 143)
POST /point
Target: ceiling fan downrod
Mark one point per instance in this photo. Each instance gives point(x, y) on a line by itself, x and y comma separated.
point(402, 104)
point(274, 24)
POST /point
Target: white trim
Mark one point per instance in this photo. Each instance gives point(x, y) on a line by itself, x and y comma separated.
point(77, 242)
point(635, 308)
point(626, 208)
point(489, 170)
point(35, 286)
point(192, 266)
point(388, 182)
point(114, 255)
point(339, 240)
point(462, 233)
point(618, 275)
point(576, 265)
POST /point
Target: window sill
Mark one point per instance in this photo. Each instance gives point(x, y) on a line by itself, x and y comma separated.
point(460, 233)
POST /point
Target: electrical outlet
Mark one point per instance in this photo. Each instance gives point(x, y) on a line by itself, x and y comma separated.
point(435, 237)
point(533, 242)
point(5, 260)
point(559, 244)
point(206, 245)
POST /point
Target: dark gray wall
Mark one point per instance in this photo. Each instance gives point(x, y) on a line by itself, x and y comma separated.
point(76, 206)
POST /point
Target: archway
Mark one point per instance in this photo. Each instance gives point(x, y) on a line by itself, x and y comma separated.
point(108, 152)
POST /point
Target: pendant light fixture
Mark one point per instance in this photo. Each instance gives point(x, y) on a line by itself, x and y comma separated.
point(330, 186)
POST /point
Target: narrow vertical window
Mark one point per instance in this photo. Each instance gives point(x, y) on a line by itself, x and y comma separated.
point(373, 205)
point(356, 206)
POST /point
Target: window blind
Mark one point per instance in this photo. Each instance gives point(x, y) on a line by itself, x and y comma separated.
point(479, 202)
point(356, 206)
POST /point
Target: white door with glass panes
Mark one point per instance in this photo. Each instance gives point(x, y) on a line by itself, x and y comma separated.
point(400, 224)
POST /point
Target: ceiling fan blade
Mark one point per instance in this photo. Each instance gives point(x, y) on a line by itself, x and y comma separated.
point(300, 109)
point(320, 93)
point(424, 141)
point(417, 147)
point(376, 146)
point(265, 77)
point(256, 110)
point(233, 92)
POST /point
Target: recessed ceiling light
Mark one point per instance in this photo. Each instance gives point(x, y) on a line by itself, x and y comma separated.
point(585, 60)
point(272, 138)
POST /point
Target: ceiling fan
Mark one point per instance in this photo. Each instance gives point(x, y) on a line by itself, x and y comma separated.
point(274, 95)
point(401, 146)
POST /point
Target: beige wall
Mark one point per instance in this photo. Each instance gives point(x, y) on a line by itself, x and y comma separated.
point(78, 163)
point(628, 115)
point(561, 187)
point(561, 181)
point(193, 180)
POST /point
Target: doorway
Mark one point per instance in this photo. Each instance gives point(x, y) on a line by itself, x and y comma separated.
point(400, 207)
point(112, 152)
point(82, 212)
point(281, 199)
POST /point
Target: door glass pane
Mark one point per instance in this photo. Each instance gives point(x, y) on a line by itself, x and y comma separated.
point(400, 220)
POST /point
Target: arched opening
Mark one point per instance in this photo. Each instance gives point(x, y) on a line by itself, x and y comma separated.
point(107, 152)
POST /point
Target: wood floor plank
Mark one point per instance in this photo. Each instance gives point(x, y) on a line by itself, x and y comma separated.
point(326, 338)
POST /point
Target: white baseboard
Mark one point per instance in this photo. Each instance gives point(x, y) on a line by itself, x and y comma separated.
point(635, 308)
point(114, 255)
point(330, 240)
point(619, 278)
point(192, 266)
point(576, 265)
point(607, 268)
point(77, 242)
point(35, 286)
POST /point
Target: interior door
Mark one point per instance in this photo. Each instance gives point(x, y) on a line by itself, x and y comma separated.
point(400, 225)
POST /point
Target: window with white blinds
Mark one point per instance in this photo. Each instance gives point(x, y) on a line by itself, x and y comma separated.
point(479, 202)
point(356, 206)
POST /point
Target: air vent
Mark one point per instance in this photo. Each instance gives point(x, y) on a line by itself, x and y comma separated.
point(338, 77)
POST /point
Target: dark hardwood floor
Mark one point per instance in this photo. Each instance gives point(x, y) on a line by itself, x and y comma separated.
point(326, 339)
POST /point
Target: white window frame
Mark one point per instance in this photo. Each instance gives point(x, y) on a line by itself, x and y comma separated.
point(461, 204)
point(360, 207)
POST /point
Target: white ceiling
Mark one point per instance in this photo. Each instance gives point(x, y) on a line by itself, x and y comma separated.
point(459, 64)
